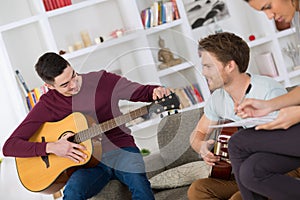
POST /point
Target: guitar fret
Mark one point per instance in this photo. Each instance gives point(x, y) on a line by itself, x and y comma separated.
point(108, 125)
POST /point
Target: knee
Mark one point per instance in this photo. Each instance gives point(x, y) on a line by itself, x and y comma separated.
point(233, 145)
point(236, 196)
point(71, 191)
point(238, 143)
point(198, 190)
point(252, 172)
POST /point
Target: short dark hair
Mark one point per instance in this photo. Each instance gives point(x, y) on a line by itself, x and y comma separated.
point(226, 47)
point(50, 65)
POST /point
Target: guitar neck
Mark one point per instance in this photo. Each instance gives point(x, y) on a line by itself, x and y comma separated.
point(110, 124)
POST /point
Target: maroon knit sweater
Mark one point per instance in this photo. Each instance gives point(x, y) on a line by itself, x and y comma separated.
point(99, 97)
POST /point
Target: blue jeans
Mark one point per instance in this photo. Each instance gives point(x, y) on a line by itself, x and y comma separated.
point(124, 164)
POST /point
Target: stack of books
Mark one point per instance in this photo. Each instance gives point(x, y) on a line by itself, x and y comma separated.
point(189, 95)
point(54, 4)
point(160, 12)
point(31, 96)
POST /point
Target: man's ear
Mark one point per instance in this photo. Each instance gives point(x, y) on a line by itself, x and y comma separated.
point(230, 67)
point(49, 86)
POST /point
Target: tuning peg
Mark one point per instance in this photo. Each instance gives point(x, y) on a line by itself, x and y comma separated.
point(176, 111)
point(161, 115)
point(169, 113)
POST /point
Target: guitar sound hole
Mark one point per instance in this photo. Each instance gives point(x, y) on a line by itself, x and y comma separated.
point(70, 139)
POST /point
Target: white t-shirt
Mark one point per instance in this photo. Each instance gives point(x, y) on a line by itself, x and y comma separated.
point(220, 105)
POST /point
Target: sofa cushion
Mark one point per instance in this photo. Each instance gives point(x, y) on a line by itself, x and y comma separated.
point(176, 193)
point(180, 176)
point(174, 137)
point(154, 164)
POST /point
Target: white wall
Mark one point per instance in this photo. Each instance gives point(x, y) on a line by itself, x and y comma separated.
point(12, 113)
point(12, 109)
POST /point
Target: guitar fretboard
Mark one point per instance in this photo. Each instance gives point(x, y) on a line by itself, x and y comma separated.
point(110, 124)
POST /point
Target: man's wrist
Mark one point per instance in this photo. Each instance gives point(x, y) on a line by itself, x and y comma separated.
point(49, 148)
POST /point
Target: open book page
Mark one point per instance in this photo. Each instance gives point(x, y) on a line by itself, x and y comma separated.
point(248, 122)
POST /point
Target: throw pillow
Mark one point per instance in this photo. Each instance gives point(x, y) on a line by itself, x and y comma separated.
point(180, 176)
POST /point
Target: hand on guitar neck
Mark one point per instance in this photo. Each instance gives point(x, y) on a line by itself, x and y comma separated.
point(205, 151)
point(222, 168)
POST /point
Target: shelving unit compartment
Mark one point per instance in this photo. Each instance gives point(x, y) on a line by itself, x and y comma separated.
point(14, 10)
point(109, 58)
point(181, 78)
point(24, 45)
point(259, 50)
point(288, 47)
point(66, 28)
point(174, 40)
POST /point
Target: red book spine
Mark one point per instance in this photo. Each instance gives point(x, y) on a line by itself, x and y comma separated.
point(55, 6)
point(176, 12)
point(46, 5)
point(60, 3)
point(68, 2)
point(51, 6)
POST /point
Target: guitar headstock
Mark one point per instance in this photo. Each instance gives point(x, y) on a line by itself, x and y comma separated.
point(170, 102)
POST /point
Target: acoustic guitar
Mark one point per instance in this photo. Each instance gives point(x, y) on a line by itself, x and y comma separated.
point(48, 174)
point(222, 169)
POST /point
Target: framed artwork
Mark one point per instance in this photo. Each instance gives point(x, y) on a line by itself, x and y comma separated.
point(203, 12)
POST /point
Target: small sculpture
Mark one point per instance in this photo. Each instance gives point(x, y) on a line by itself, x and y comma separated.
point(166, 56)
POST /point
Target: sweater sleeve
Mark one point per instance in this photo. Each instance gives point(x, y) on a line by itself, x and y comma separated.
point(129, 90)
point(17, 145)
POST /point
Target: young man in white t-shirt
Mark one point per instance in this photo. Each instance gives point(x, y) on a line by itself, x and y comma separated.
point(225, 59)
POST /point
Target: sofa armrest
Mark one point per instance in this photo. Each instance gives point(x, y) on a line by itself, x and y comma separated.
point(154, 164)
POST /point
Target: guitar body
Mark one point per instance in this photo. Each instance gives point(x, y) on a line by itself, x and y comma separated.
point(48, 174)
point(222, 169)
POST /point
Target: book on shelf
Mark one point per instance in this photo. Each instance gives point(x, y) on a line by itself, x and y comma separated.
point(197, 92)
point(154, 16)
point(160, 12)
point(28, 103)
point(266, 64)
point(54, 4)
point(169, 12)
point(34, 96)
point(31, 96)
point(22, 82)
point(32, 99)
point(189, 95)
point(183, 98)
point(175, 9)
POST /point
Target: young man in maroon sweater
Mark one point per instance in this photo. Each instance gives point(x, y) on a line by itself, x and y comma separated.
point(96, 94)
